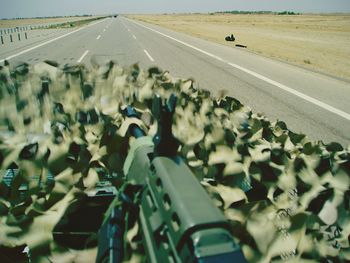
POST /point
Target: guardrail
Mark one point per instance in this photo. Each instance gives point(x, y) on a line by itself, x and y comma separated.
point(12, 37)
point(19, 33)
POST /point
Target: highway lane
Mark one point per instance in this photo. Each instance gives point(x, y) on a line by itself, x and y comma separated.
point(103, 40)
point(308, 102)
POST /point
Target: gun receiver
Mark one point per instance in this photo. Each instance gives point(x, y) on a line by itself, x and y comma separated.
point(178, 220)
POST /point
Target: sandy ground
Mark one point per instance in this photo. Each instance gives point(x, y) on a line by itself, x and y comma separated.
point(33, 21)
point(317, 42)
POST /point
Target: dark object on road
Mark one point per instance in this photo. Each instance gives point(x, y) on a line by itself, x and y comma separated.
point(230, 38)
point(239, 45)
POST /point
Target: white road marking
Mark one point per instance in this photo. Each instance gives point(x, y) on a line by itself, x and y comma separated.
point(83, 56)
point(259, 76)
point(294, 92)
point(134, 36)
point(125, 26)
point(47, 42)
point(182, 42)
point(98, 37)
point(148, 55)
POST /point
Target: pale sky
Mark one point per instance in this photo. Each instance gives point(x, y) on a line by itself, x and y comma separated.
point(39, 8)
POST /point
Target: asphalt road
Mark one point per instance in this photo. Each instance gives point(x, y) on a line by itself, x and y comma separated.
point(309, 102)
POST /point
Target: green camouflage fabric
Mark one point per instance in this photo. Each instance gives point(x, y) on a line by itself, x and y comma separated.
point(287, 198)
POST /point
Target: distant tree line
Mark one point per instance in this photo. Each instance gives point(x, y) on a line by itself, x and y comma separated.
point(257, 12)
point(287, 13)
point(44, 17)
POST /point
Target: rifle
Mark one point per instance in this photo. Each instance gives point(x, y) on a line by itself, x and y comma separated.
point(178, 220)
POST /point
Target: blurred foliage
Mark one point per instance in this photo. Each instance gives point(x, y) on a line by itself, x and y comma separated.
point(286, 197)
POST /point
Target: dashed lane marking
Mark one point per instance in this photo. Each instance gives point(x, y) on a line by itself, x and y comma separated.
point(148, 55)
point(83, 56)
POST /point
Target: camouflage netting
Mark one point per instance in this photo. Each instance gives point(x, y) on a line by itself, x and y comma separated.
point(286, 197)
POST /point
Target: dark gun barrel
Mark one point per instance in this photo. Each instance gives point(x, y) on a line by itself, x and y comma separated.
point(135, 130)
point(178, 220)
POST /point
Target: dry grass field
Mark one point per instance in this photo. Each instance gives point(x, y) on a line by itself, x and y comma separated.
point(33, 21)
point(317, 42)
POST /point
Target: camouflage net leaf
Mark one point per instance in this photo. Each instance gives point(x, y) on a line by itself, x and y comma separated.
point(62, 132)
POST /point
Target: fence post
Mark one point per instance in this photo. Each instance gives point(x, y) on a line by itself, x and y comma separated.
point(11, 38)
point(25, 34)
point(19, 36)
point(2, 39)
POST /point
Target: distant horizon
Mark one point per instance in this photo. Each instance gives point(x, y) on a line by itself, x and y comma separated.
point(43, 8)
point(175, 13)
